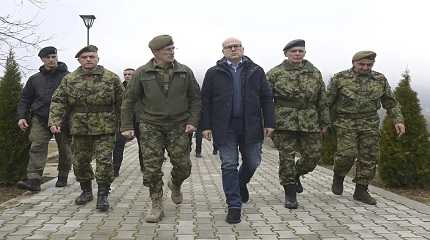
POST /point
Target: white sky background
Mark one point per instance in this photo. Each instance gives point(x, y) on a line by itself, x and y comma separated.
point(398, 31)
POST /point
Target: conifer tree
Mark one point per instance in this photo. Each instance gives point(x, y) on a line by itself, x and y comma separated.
point(14, 144)
point(405, 160)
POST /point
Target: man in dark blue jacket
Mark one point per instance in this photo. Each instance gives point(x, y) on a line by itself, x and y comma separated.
point(235, 98)
point(35, 101)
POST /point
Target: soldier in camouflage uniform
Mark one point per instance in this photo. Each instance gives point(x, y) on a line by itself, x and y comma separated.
point(169, 98)
point(91, 96)
point(354, 96)
point(302, 115)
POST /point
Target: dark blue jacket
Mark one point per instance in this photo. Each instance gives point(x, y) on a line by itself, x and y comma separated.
point(37, 93)
point(217, 101)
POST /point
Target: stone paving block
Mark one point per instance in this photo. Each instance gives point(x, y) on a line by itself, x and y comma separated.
point(52, 214)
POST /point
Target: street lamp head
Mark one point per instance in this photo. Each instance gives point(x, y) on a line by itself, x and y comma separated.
point(88, 20)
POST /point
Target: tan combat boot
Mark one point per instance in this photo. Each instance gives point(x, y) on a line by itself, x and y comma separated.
point(176, 192)
point(157, 211)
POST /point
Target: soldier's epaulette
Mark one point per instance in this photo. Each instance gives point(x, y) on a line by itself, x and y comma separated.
point(342, 74)
point(378, 75)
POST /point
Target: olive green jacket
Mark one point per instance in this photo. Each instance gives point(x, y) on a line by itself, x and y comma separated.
point(181, 104)
point(91, 99)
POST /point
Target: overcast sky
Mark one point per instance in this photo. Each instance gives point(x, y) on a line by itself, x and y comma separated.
point(398, 31)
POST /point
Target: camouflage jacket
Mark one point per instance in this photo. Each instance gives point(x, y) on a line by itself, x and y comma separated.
point(300, 97)
point(92, 99)
point(159, 102)
point(354, 100)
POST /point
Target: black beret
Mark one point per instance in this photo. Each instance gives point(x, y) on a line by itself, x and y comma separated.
point(89, 48)
point(160, 41)
point(294, 43)
point(369, 55)
point(46, 51)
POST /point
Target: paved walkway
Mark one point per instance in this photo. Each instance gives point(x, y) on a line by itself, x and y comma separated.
point(52, 214)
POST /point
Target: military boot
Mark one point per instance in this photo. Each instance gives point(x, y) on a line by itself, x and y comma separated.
point(86, 195)
point(361, 194)
point(291, 196)
point(32, 185)
point(176, 192)
point(61, 181)
point(102, 198)
point(157, 211)
point(337, 186)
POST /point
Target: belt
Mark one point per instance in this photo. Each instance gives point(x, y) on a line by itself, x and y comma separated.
point(93, 109)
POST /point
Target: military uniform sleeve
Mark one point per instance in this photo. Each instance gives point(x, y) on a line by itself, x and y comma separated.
point(194, 101)
point(390, 103)
point(131, 96)
point(322, 105)
point(27, 98)
point(119, 91)
point(58, 107)
point(332, 94)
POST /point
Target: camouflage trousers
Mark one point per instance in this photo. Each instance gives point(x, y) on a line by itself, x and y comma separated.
point(289, 143)
point(154, 141)
point(357, 146)
point(39, 138)
point(85, 148)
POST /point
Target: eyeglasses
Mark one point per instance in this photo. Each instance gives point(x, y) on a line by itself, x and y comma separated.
point(230, 47)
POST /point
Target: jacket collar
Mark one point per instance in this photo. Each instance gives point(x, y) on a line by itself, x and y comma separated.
point(98, 70)
point(61, 67)
point(151, 67)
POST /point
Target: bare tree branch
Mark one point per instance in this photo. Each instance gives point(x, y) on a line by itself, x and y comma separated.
point(20, 35)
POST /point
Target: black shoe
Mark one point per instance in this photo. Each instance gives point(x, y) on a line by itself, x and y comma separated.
point(233, 215)
point(337, 185)
point(61, 181)
point(102, 198)
point(291, 196)
point(32, 185)
point(361, 194)
point(299, 187)
point(198, 155)
point(86, 195)
point(244, 194)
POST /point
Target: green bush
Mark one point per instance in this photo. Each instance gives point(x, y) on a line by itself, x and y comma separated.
point(14, 144)
point(404, 161)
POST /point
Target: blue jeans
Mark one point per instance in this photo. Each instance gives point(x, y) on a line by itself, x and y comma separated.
point(231, 177)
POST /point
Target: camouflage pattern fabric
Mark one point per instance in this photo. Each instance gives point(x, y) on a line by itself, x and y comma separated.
point(93, 100)
point(154, 141)
point(357, 146)
point(354, 100)
point(300, 97)
point(87, 148)
point(289, 143)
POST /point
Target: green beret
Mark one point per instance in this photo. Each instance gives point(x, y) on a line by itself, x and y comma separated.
point(89, 48)
point(44, 52)
point(294, 43)
point(369, 55)
point(160, 42)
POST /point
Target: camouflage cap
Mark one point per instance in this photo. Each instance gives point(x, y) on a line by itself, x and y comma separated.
point(160, 41)
point(44, 52)
point(369, 55)
point(89, 48)
point(294, 43)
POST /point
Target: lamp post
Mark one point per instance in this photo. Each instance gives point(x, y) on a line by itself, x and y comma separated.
point(88, 21)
